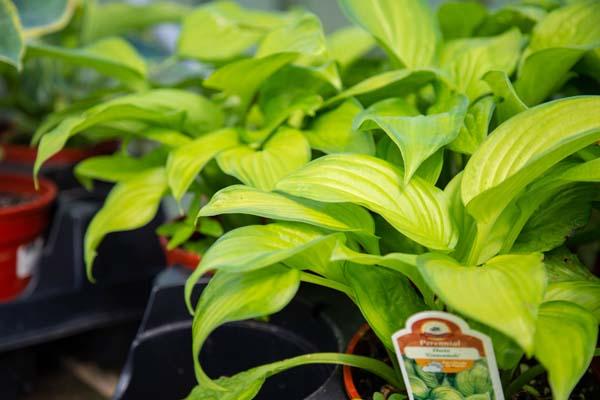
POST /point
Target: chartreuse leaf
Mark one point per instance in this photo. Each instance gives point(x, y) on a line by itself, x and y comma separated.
point(103, 19)
point(349, 44)
point(429, 170)
point(517, 152)
point(584, 293)
point(460, 19)
point(468, 60)
point(406, 264)
point(227, 24)
point(11, 41)
point(171, 108)
point(304, 36)
point(377, 289)
point(232, 296)
point(258, 246)
point(418, 209)
point(385, 85)
point(475, 127)
point(186, 162)
point(243, 78)
point(245, 385)
point(247, 200)
point(562, 325)
point(114, 168)
point(505, 293)
point(407, 29)
point(112, 57)
point(131, 204)
point(284, 153)
point(557, 43)
point(40, 18)
point(571, 281)
point(510, 104)
point(417, 136)
point(333, 132)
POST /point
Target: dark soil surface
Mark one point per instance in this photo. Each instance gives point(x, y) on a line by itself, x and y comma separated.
point(13, 199)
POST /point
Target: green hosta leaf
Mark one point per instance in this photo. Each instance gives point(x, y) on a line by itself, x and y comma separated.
point(590, 64)
point(557, 43)
point(561, 266)
point(544, 72)
point(521, 15)
point(523, 148)
point(284, 153)
point(234, 28)
point(510, 104)
point(247, 200)
point(377, 289)
point(102, 19)
point(385, 85)
point(242, 386)
point(418, 209)
point(417, 136)
point(349, 44)
point(130, 205)
point(429, 170)
point(11, 41)
point(468, 60)
point(476, 126)
point(172, 108)
point(186, 162)
point(562, 325)
point(556, 218)
point(508, 353)
point(168, 137)
point(333, 132)
point(115, 168)
point(243, 78)
point(585, 293)
point(112, 57)
point(238, 296)
point(505, 293)
point(407, 29)
point(258, 246)
point(404, 263)
point(40, 18)
point(303, 36)
point(460, 19)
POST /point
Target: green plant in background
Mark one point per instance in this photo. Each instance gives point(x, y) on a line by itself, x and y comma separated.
point(78, 62)
point(444, 172)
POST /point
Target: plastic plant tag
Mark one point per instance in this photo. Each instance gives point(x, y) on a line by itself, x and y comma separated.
point(441, 357)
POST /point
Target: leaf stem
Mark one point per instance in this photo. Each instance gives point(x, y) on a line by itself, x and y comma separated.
point(372, 365)
point(524, 379)
point(318, 280)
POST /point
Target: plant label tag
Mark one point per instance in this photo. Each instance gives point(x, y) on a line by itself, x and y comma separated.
point(28, 256)
point(441, 357)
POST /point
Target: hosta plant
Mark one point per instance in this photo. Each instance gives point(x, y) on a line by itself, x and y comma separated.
point(462, 205)
point(65, 57)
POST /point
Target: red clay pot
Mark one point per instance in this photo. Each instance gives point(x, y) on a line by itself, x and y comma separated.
point(179, 256)
point(21, 227)
point(25, 155)
point(349, 384)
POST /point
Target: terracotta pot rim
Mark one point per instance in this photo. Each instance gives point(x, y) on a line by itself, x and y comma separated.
point(44, 195)
point(179, 256)
point(349, 385)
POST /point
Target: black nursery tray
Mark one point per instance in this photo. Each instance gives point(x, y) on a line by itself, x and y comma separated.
point(160, 363)
point(60, 301)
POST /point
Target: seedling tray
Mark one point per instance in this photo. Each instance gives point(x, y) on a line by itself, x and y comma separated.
point(60, 301)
